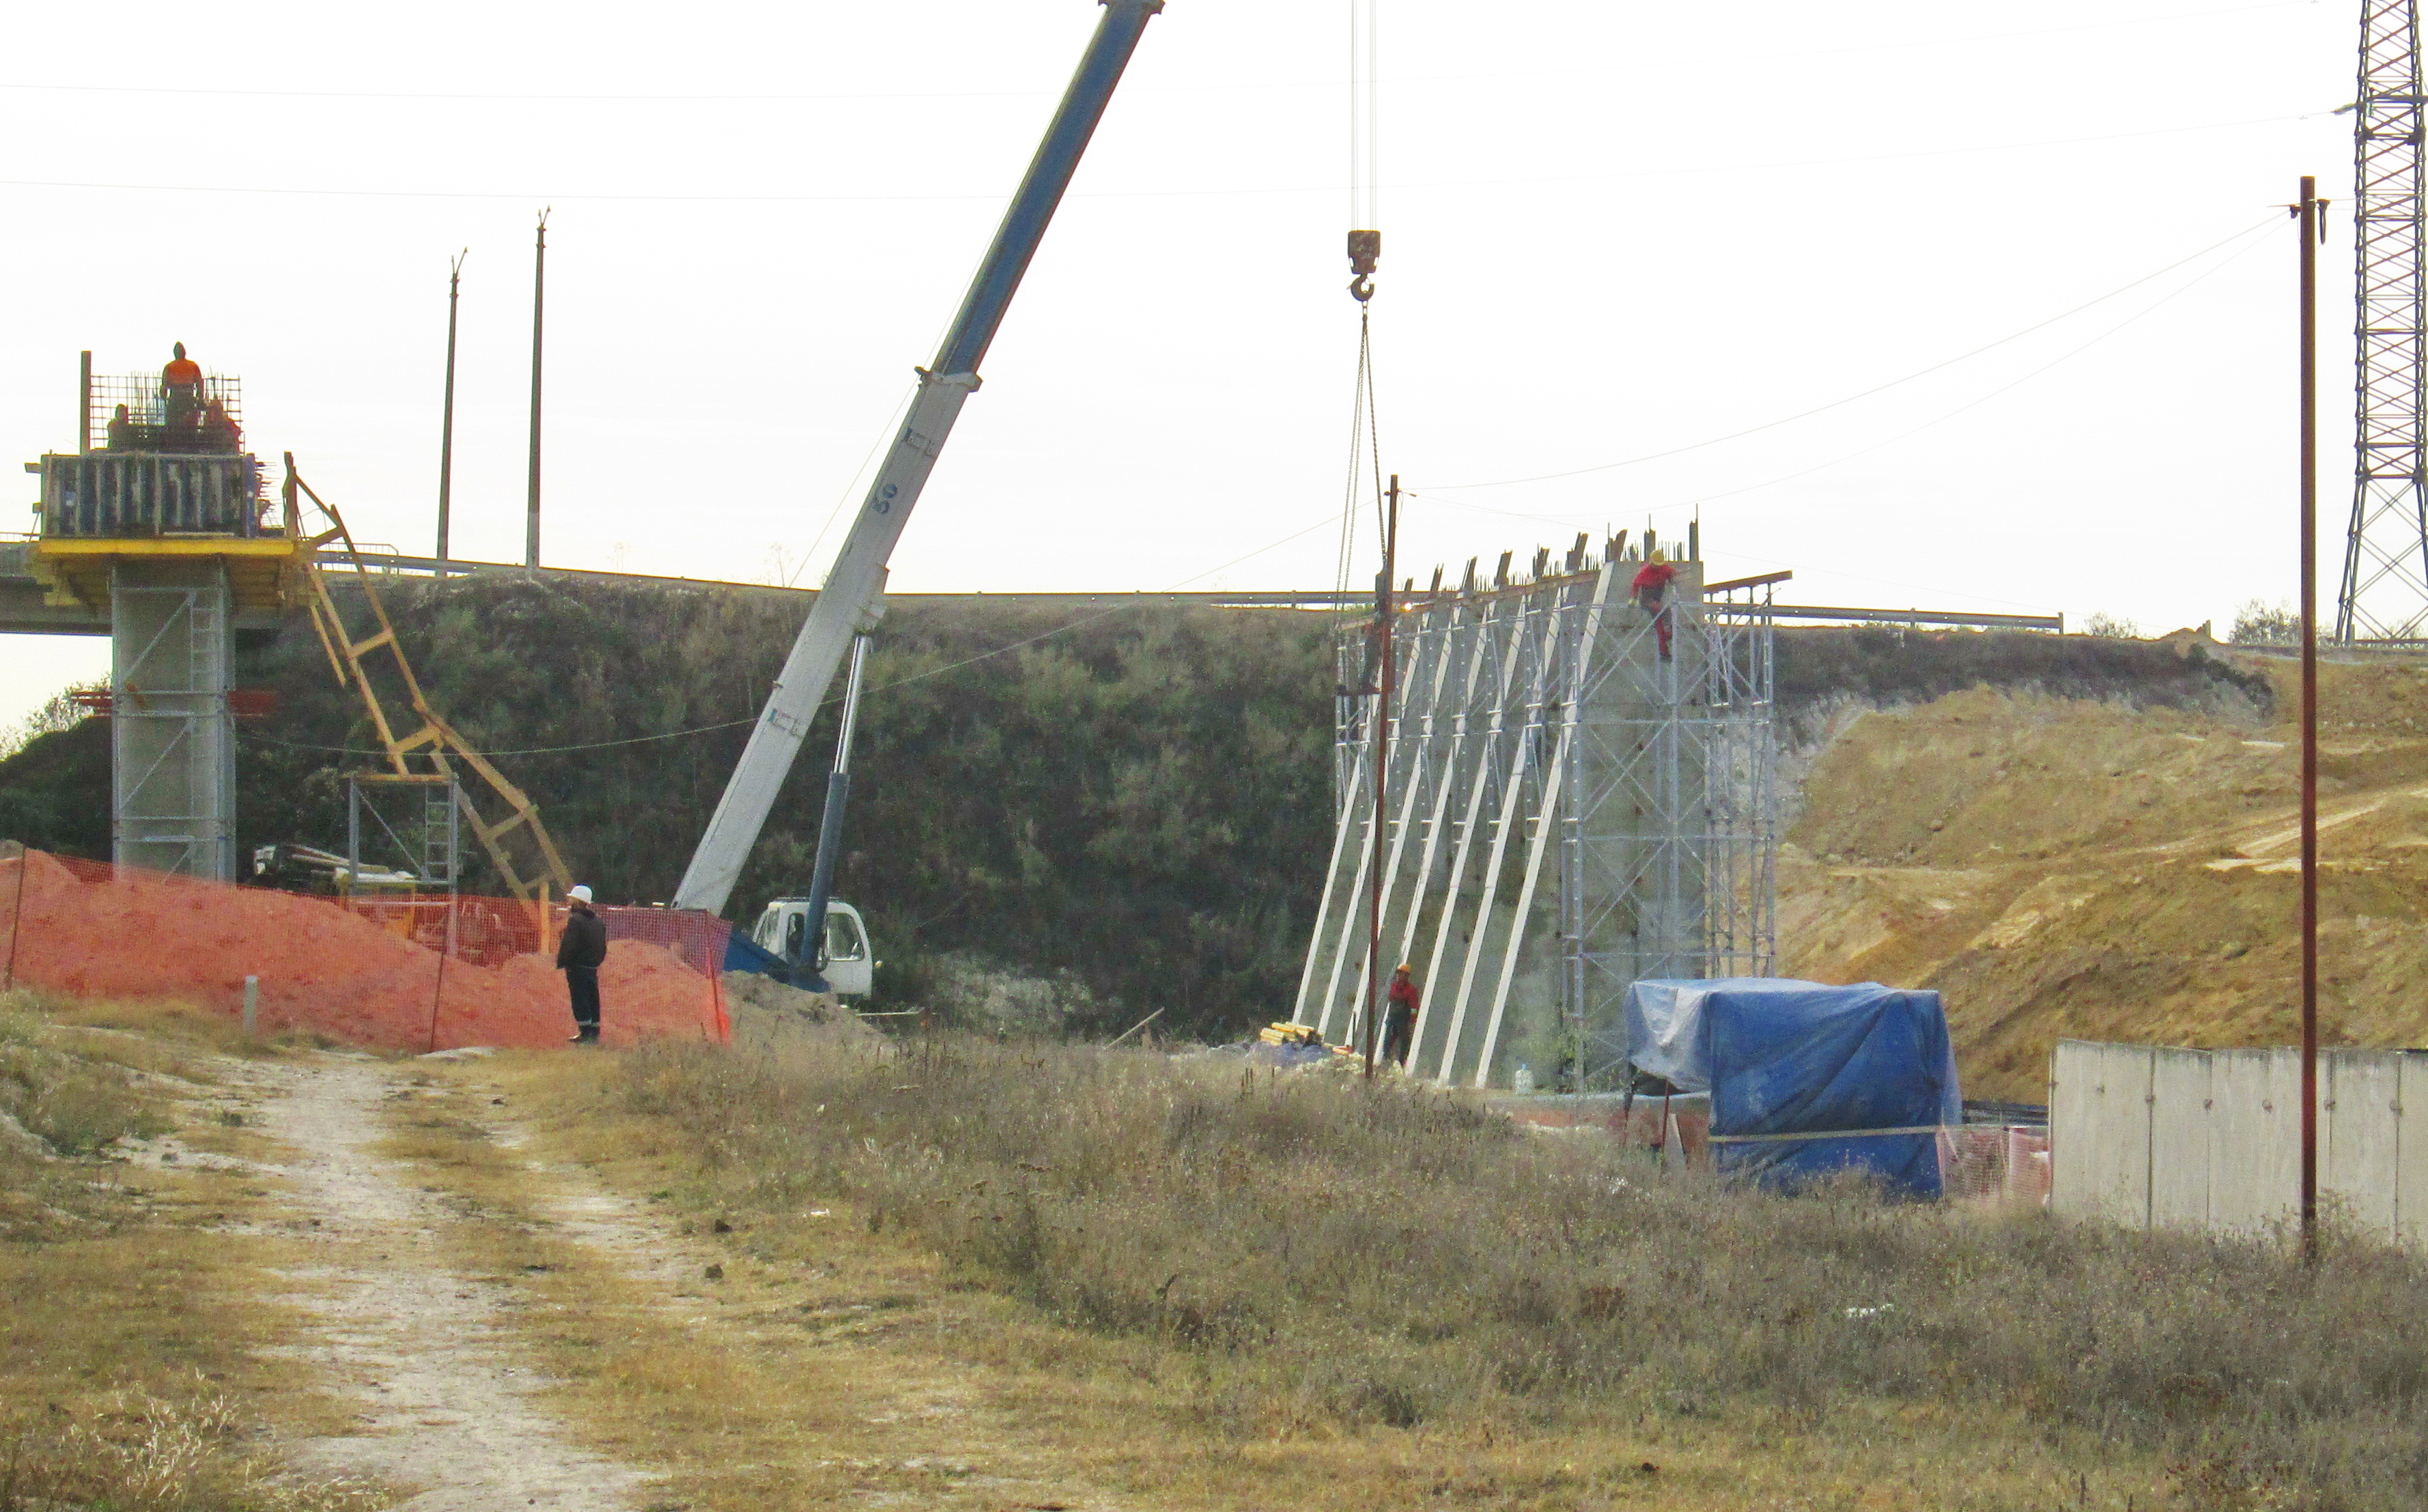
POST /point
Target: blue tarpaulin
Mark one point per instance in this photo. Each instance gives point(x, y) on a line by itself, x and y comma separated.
point(1781, 1058)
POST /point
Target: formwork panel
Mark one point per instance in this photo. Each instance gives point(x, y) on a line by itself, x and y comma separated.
point(2411, 1150)
point(2099, 1132)
point(2255, 1151)
point(2180, 1129)
point(1569, 809)
point(2360, 1137)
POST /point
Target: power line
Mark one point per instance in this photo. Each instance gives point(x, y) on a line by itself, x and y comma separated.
point(723, 97)
point(1880, 388)
point(557, 196)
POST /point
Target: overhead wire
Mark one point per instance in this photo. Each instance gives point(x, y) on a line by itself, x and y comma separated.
point(1246, 191)
point(459, 97)
point(2275, 224)
point(2069, 356)
point(2273, 220)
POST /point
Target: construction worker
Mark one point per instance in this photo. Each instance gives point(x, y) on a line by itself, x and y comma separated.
point(181, 389)
point(1400, 1017)
point(219, 428)
point(121, 431)
point(579, 955)
point(1651, 591)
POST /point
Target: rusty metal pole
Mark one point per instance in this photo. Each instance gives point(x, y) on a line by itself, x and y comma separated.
point(1382, 738)
point(2312, 226)
point(539, 294)
point(447, 412)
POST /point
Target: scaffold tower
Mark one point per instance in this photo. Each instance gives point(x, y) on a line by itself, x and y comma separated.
point(1581, 794)
point(2385, 590)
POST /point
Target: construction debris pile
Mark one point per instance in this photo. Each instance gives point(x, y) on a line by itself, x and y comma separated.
point(437, 974)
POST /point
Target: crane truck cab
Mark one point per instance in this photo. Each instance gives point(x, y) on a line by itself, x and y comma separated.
point(842, 957)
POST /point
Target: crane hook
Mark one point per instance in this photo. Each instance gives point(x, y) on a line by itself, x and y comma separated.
point(1365, 249)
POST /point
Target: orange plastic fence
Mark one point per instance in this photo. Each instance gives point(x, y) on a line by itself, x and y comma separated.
point(421, 974)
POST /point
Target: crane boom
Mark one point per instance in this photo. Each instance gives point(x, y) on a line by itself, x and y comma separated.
point(858, 571)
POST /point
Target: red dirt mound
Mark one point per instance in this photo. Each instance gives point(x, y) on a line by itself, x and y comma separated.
point(132, 933)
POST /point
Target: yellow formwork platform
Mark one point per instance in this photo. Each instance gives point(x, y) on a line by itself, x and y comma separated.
point(264, 573)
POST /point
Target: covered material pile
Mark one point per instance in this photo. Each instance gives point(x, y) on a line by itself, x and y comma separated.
point(1805, 1078)
point(420, 976)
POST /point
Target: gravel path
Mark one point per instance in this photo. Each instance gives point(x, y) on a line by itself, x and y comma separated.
point(446, 1400)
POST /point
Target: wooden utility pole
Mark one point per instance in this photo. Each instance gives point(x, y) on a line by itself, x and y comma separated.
point(539, 299)
point(2313, 226)
point(447, 413)
point(1381, 736)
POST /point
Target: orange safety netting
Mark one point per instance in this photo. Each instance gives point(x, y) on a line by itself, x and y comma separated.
point(411, 974)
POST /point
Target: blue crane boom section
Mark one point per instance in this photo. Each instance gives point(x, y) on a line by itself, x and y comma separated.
point(857, 579)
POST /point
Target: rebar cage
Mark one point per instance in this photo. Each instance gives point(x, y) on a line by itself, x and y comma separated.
point(1580, 792)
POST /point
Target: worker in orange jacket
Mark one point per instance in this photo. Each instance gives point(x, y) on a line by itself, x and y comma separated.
point(181, 388)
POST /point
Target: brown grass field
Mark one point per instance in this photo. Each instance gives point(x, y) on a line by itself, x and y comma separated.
point(137, 1370)
point(821, 1269)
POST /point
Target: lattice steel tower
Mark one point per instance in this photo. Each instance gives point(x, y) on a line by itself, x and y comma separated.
point(2385, 594)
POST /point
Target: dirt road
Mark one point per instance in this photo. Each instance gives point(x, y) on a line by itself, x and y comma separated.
point(447, 1397)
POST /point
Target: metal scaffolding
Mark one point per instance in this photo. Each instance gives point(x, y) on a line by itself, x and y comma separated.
point(174, 806)
point(2385, 590)
point(1575, 800)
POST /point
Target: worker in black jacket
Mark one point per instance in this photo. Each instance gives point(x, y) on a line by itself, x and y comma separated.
point(579, 955)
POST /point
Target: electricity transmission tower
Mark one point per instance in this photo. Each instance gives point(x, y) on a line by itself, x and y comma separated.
point(2385, 593)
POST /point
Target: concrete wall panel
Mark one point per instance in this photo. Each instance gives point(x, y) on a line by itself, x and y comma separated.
point(2359, 1132)
point(2179, 1139)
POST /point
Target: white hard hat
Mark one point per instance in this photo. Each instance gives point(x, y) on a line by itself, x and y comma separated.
point(578, 894)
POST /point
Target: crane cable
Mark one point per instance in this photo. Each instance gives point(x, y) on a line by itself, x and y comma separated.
point(1365, 246)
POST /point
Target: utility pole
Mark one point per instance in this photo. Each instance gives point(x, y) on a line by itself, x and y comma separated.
point(1381, 736)
point(539, 300)
point(2313, 226)
point(447, 413)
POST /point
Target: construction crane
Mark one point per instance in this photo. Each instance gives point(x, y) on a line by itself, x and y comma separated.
point(853, 587)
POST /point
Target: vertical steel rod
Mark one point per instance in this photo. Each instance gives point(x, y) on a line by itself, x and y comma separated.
point(447, 412)
point(2310, 227)
point(1382, 738)
point(539, 294)
point(84, 401)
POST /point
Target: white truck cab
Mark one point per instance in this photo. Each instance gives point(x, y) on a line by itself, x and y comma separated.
point(844, 958)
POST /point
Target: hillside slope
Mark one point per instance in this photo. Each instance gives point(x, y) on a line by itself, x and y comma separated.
point(2075, 868)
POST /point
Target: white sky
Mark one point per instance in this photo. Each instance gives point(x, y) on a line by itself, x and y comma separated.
point(1611, 229)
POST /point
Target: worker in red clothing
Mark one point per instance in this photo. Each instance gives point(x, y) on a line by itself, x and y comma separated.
point(1651, 590)
point(1400, 1017)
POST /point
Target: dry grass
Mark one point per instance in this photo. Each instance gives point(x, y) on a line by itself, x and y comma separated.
point(135, 1338)
point(135, 1452)
point(1299, 1257)
point(829, 1365)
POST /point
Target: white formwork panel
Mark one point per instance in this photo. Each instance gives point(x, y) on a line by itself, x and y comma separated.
point(2180, 1129)
point(2358, 1092)
point(2411, 1150)
point(2099, 1132)
point(2255, 1164)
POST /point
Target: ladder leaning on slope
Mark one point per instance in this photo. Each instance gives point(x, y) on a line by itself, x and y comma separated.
point(436, 742)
